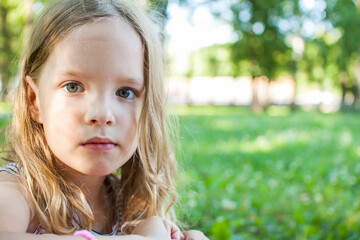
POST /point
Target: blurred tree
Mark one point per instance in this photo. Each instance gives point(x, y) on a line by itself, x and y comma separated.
point(211, 62)
point(345, 17)
point(11, 25)
point(259, 40)
point(28, 14)
point(260, 48)
point(16, 17)
point(318, 39)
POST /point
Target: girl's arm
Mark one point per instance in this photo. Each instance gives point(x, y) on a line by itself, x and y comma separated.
point(150, 229)
point(14, 210)
point(15, 219)
point(29, 236)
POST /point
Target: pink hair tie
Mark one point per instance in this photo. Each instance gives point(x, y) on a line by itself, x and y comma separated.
point(86, 234)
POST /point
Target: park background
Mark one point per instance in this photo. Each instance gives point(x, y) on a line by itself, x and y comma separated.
point(267, 98)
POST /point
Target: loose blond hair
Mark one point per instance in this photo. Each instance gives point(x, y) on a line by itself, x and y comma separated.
point(147, 187)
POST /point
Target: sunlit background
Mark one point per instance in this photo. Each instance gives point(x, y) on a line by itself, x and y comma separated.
point(267, 96)
point(302, 47)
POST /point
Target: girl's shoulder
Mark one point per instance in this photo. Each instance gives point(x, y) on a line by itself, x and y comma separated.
point(14, 209)
point(9, 177)
point(12, 168)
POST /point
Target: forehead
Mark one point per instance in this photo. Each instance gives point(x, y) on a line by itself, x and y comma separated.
point(105, 29)
point(106, 47)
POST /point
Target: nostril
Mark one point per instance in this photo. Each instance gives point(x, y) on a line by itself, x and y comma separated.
point(100, 120)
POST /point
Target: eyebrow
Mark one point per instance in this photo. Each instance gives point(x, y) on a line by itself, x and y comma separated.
point(129, 80)
point(73, 74)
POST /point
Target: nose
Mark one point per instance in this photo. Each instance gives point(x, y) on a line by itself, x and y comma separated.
point(100, 114)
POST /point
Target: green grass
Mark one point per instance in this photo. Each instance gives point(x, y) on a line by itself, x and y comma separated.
point(270, 176)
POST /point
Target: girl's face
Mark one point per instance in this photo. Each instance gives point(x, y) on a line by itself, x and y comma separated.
point(90, 95)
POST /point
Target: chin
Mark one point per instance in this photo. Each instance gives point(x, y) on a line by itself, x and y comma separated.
point(99, 171)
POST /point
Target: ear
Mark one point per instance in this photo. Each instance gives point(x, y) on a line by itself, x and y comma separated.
point(33, 99)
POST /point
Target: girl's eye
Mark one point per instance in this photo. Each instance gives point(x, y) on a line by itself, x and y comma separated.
point(126, 93)
point(73, 87)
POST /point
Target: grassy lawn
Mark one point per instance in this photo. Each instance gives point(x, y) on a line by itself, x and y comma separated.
point(270, 176)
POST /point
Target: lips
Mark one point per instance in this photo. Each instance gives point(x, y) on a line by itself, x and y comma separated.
point(99, 144)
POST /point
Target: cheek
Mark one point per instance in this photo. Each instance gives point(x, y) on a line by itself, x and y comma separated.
point(136, 119)
point(59, 119)
point(132, 127)
point(129, 126)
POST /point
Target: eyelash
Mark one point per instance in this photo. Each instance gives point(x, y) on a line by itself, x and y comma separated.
point(73, 83)
point(133, 91)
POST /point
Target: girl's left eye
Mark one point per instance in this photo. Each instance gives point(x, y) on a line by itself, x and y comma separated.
point(126, 93)
point(73, 87)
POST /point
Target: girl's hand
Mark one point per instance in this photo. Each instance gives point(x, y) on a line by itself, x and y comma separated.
point(159, 228)
point(176, 234)
point(174, 230)
point(194, 235)
point(155, 228)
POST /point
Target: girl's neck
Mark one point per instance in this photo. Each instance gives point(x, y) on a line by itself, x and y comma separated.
point(92, 186)
point(94, 190)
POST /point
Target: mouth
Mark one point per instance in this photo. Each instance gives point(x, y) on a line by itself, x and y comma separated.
point(99, 144)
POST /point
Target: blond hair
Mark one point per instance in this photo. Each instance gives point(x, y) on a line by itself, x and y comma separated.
point(147, 187)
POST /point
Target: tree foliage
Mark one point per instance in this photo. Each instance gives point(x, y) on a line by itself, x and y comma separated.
point(269, 35)
point(12, 14)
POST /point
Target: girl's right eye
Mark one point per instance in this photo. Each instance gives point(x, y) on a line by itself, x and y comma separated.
point(73, 87)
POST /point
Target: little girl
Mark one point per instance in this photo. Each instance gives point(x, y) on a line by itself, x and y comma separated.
point(90, 103)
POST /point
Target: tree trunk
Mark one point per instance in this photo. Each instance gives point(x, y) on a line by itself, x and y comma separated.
point(259, 94)
point(293, 73)
point(357, 85)
point(343, 81)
